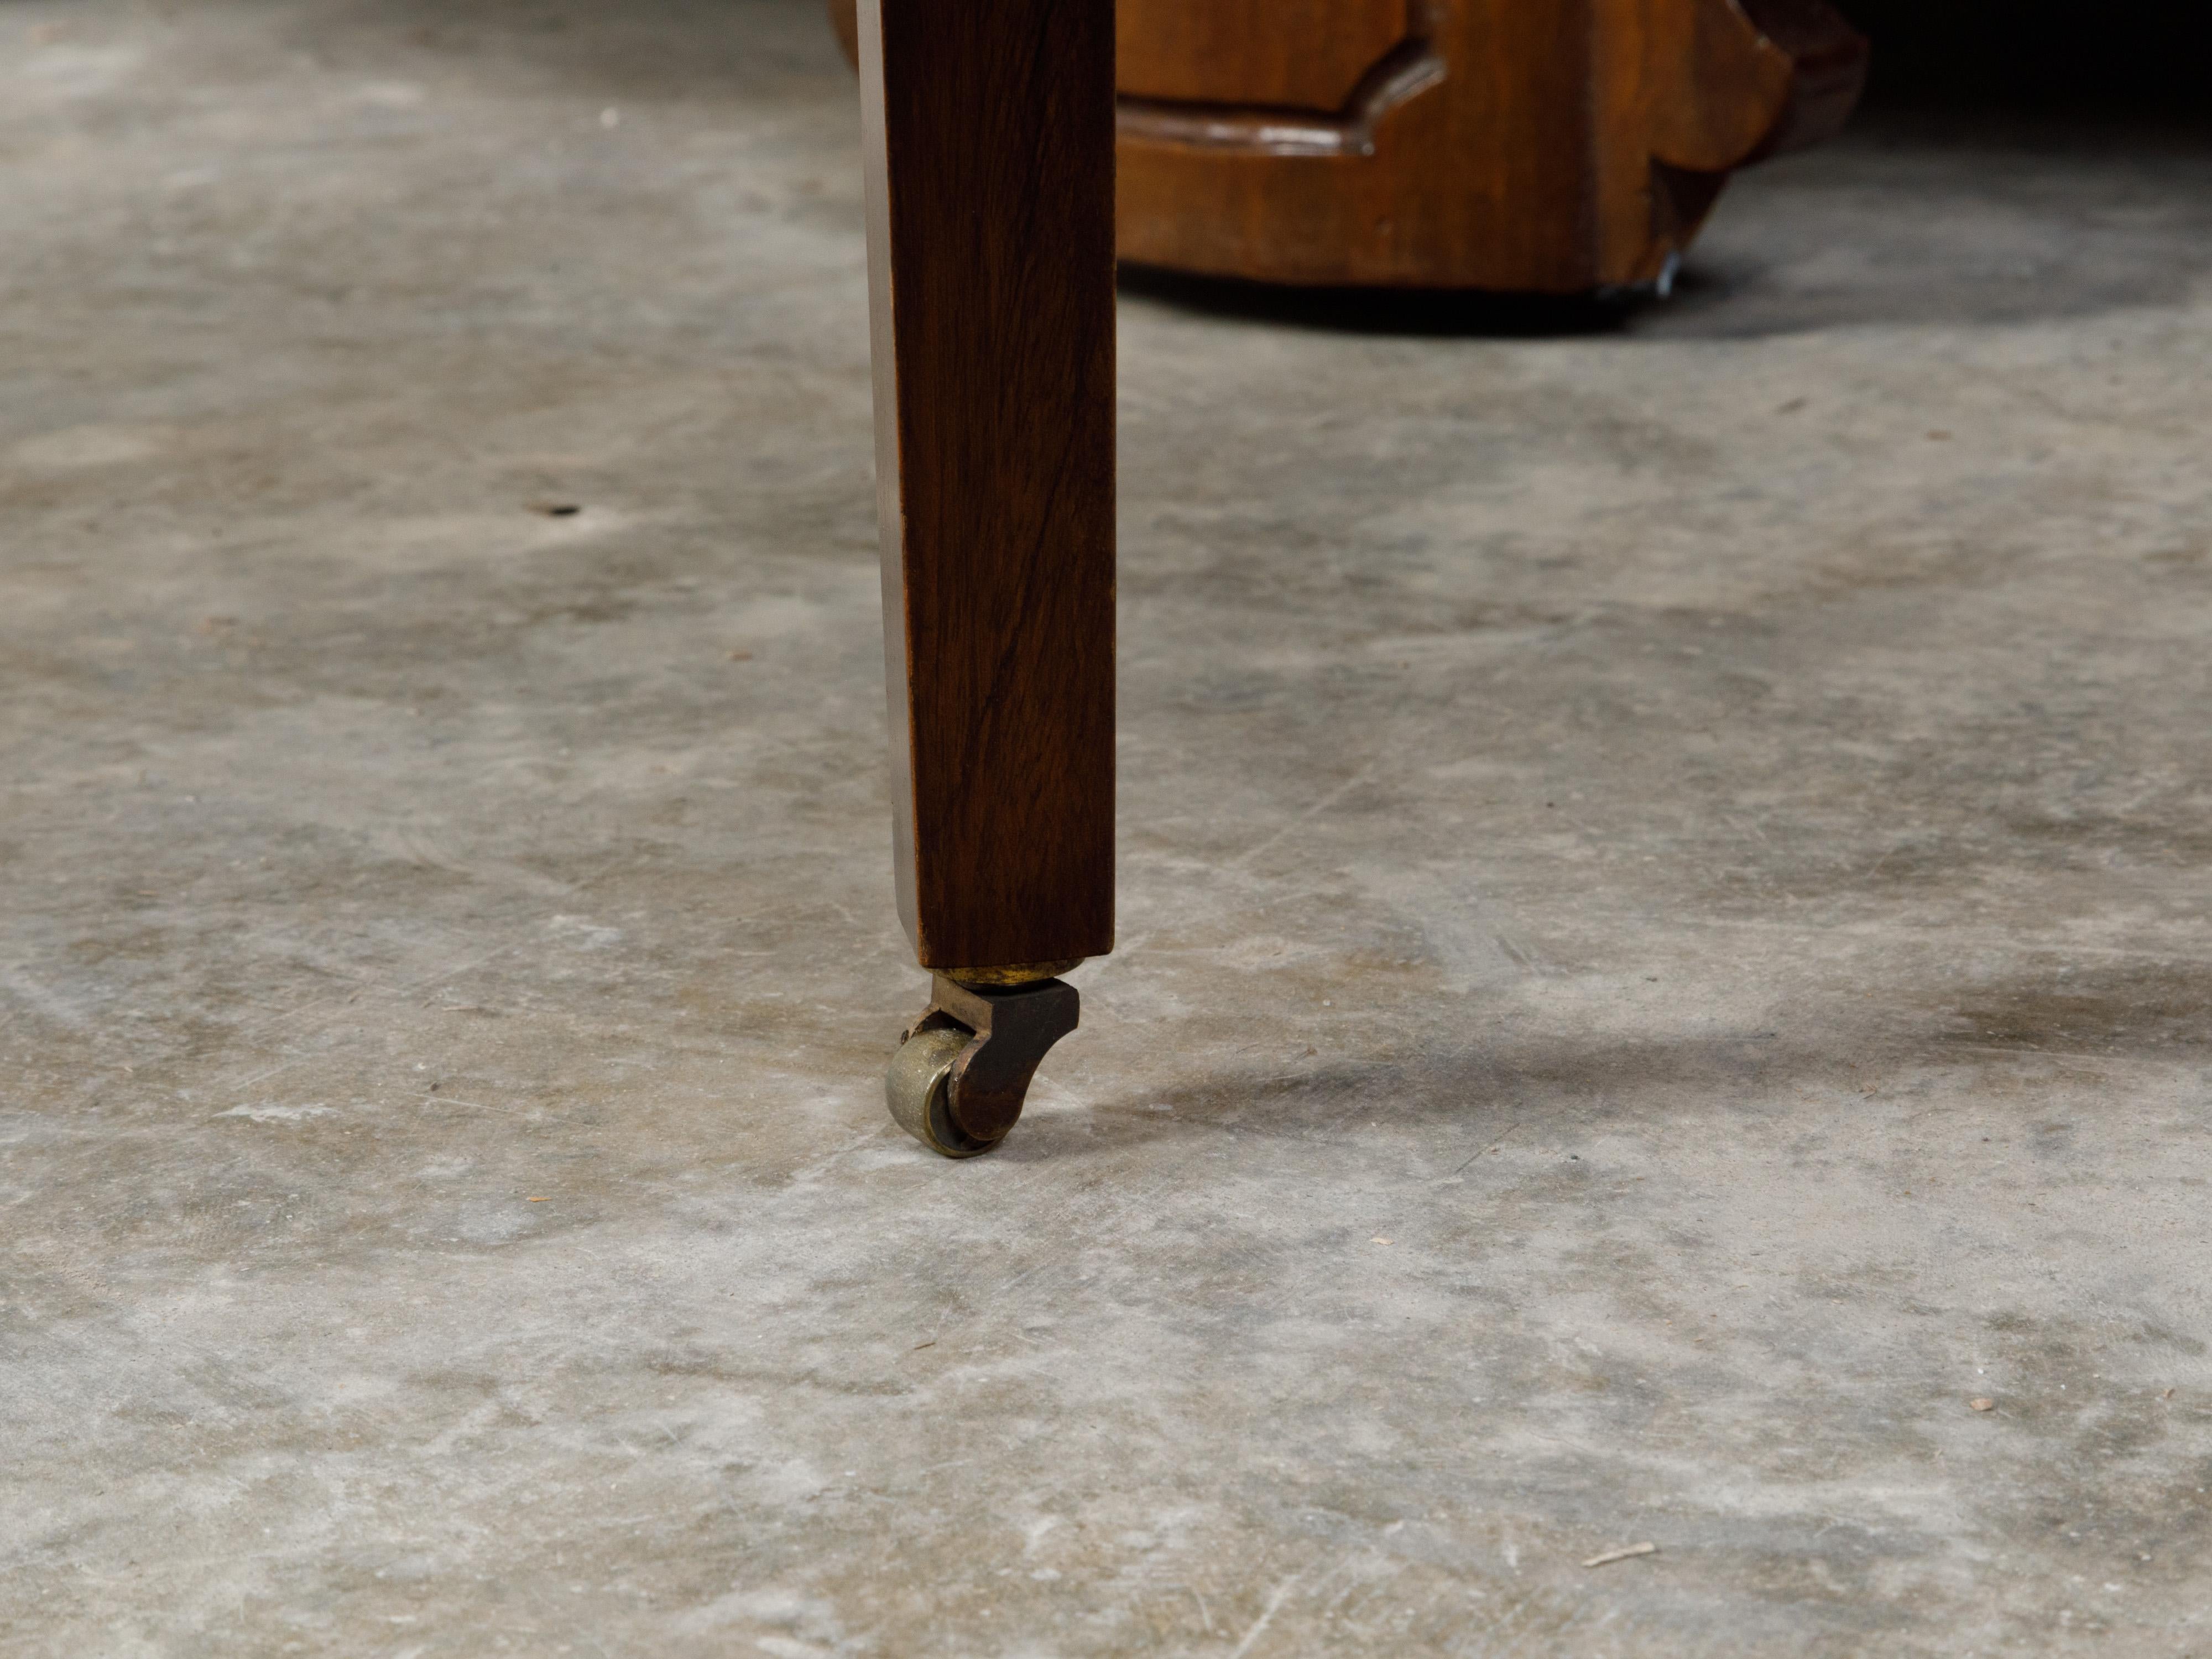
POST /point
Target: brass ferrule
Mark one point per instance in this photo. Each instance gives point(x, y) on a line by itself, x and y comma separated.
point(1019, 973)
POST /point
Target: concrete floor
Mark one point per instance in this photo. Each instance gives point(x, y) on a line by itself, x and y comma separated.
point(1665, 909)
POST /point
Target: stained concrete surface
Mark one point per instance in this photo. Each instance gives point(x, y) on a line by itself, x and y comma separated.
point(1664, 912)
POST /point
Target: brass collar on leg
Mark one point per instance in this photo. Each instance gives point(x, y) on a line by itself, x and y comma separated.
point(1019, 973)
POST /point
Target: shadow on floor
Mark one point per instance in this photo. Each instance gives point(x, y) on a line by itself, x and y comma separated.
point(1451, 313)
point(1534, 1092)
point(2058, 1017)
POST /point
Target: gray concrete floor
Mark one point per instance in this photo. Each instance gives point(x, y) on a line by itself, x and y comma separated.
point(1665, 936)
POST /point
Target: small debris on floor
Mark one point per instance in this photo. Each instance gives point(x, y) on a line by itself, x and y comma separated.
point(1378, 1241)
point(557, 509)
point(1983, 1405)
point(1627, 1552)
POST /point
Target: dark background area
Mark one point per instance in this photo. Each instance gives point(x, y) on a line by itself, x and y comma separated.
point(2148, 59)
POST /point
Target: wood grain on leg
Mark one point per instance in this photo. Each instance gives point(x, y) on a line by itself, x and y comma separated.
point(989, 127)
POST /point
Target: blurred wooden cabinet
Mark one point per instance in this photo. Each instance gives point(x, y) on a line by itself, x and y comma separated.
point(1548, 146)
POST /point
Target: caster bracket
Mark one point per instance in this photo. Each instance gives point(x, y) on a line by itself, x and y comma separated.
point(1010, 1031)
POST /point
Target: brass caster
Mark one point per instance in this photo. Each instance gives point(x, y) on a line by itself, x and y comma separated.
point(957, 1083)
point(917, 1088)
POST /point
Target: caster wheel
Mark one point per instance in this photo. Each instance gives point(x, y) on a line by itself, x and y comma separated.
point(917, 1088)
point(957, 1083)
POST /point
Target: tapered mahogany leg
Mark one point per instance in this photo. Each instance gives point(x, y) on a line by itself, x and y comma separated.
point(989, 129)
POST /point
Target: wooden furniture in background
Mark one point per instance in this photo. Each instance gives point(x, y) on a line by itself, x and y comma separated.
point(989, 134)
point(1538, 146)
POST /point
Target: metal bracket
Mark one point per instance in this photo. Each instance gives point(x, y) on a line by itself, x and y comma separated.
point(1014, 1027)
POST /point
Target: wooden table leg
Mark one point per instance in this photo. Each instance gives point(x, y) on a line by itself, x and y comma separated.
point(990, 132)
